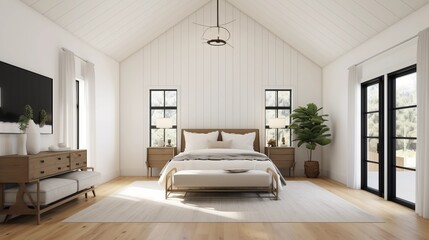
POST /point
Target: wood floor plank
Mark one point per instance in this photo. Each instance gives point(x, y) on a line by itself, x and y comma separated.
point(400, 222)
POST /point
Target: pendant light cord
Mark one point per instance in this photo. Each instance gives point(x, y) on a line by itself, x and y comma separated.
point(217, 13)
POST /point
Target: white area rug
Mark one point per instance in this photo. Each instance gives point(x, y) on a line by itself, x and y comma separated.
point(300, 201)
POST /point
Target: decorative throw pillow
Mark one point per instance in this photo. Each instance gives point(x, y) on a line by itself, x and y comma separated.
point(240, 141)
point(195, 141)
point(219, 144)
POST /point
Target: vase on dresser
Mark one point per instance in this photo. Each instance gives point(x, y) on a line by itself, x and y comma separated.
point(33, 138)
point(22, 144)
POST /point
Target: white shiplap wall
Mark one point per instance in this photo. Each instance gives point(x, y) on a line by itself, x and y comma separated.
point(219, 87)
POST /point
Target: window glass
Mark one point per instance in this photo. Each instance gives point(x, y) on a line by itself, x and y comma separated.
point(278, 104)
point(270, 98)
point(163, 105)
point(284, 98)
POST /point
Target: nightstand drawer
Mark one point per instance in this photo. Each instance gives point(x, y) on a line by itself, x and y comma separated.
point(157, 163)
point(283, 163)
point(283, 151)
point(161, 151)
point(279, 157)
point(157, 157)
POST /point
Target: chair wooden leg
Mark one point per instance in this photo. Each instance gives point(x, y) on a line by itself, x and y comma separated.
point(93, 193)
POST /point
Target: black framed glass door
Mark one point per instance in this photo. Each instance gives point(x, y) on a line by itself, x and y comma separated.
point(402, 136)
point(372, 163)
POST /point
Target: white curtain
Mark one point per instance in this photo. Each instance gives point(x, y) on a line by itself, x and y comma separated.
point(89, 78)
point(422, 165)
point(67, 109)
point(353, 146)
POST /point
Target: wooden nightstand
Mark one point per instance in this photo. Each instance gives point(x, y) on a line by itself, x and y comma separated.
point(283, 157)
point(157, 157)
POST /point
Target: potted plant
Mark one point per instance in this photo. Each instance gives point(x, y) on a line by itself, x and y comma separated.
point(29, 140)
point(309, 129)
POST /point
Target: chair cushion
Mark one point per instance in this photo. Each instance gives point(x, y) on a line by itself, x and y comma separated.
point(85, 179)
point(51, 190)
point(221, 178)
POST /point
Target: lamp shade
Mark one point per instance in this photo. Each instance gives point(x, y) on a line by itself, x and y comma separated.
point(164, 123)
point(277, 123)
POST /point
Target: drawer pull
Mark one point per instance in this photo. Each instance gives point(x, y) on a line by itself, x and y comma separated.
point(68, 156)
point(77, 164)
point(42, 161)
point(68, 165)
point(42, 172)
point(80, 155)
point(84, 162)
point(59, 158)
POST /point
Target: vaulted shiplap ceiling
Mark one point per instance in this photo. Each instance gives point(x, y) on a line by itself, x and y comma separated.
point(322, 30)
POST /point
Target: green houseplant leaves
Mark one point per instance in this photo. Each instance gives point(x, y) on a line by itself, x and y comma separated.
point(309, 127)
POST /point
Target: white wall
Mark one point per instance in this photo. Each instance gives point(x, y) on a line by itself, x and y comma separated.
point(31, 41)
point(219, 87)
point(335, 83)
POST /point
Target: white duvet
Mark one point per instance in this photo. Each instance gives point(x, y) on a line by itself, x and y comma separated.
point(217, 165)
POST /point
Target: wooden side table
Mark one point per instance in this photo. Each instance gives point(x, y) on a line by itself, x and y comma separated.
point(283, 157)
point(157, 157)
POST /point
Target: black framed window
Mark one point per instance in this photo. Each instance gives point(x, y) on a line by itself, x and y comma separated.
point(163, 104)
point(402, 135)
point(278, 104)
point(372, 140)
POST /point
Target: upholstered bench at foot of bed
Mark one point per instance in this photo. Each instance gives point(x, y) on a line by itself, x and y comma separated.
point(220, 180)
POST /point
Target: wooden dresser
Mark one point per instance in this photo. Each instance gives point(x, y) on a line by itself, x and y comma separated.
point(23, 169)
point(30, 168)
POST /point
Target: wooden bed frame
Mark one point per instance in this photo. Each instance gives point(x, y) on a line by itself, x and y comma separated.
point(272, 189)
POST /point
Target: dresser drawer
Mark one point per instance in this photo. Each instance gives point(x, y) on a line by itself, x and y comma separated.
point(78, 159)
point(42, 162)
point(50, 170)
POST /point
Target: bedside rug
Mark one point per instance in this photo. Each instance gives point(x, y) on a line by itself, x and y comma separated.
point(300, 201)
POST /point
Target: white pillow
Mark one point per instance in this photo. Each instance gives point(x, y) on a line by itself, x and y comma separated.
point(240, 141)
point(219, 144)
point(195, 141)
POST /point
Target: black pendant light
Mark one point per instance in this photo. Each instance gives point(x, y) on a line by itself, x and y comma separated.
point(216, 35)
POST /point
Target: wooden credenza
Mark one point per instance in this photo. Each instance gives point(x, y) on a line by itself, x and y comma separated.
point(23, 169)
point(30, 168)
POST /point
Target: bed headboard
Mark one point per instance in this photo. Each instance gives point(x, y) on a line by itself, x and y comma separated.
point(238, 131)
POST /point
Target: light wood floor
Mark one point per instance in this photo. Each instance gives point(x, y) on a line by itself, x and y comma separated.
point(400, 223)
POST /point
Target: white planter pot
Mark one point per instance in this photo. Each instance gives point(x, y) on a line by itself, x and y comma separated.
point(22, 144)
point(33, 138)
